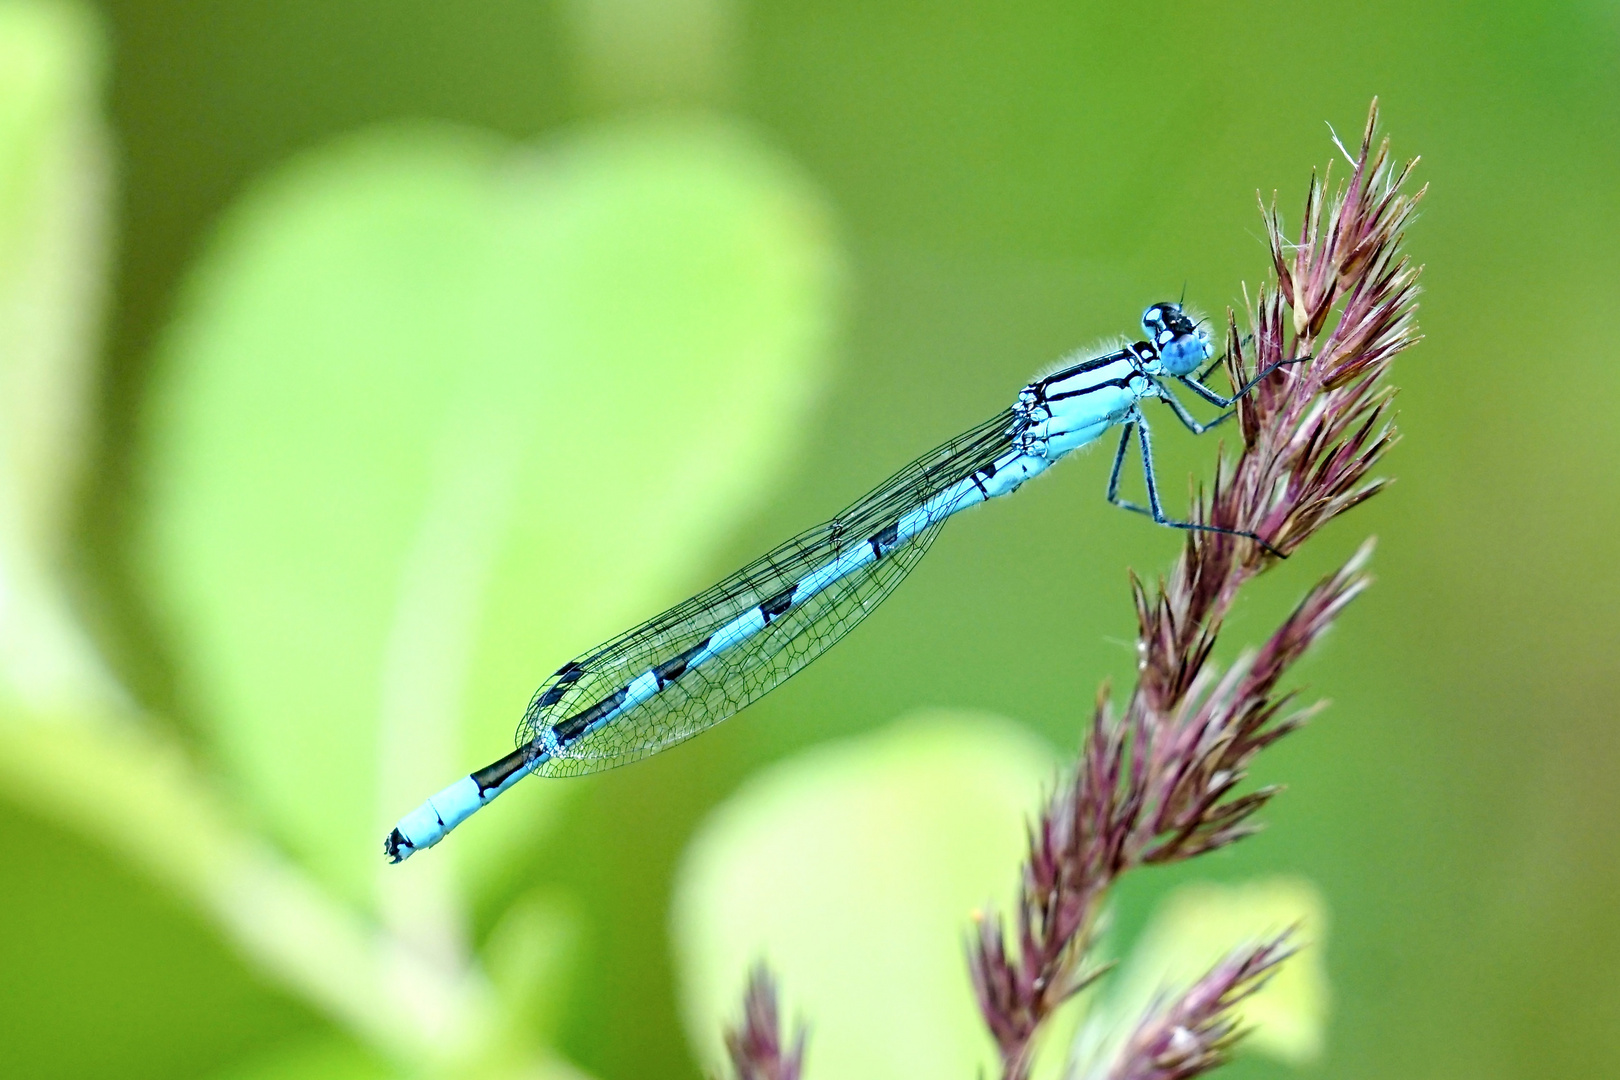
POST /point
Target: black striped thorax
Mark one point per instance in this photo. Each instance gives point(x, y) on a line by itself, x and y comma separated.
point(1107, 377)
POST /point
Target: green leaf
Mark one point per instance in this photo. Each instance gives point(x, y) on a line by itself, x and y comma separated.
point(652, 53)
point(332, 1059)
point(53, 250)
point(439, 413)
point(854, 870)
point(530, 955)
point(318, 1059)
point(1192, 930)
point(54, 180)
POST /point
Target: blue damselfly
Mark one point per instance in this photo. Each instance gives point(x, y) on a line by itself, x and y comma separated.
point(701, 661)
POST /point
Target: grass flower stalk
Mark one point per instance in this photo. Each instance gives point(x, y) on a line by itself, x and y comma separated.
point(755, 1046)
point(1194, 1032)
point(1162, 780)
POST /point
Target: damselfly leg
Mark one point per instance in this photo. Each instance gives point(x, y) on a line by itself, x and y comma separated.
point(1155, 509)
point(1191, 422)
point(1194, 384)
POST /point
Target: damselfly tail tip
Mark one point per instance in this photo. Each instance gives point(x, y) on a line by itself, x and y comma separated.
point(396, 847)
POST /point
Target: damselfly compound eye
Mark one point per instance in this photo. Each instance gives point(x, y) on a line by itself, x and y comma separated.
point(1182, 348)
point(1167, 316)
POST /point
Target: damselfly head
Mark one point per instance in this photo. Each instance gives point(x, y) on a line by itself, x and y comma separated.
point(1183, 345)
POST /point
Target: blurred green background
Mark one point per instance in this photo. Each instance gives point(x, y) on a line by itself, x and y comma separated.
point(421, 346)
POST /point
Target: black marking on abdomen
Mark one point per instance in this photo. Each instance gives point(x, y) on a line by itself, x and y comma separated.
point(493, 776)
point(777, 604)
point(571, 728)
point(670, 670)
point(979, 484)
point(884, 538)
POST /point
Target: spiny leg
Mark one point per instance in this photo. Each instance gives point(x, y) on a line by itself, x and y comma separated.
point(1197, 387)
point(1155, 510)
point(1119, 463)
point(1188, 419)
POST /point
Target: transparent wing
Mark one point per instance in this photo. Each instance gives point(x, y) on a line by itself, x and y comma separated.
point(692, 699)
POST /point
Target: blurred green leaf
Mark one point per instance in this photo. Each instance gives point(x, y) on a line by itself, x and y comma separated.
point(71, 747)
point(529, 955)
point(853, 870)
point(322, 1060)
point(54, 179)
point(334, 1059)
point(1192, 930)
point(53, 257)
point(640, 53)
point(439, 413)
